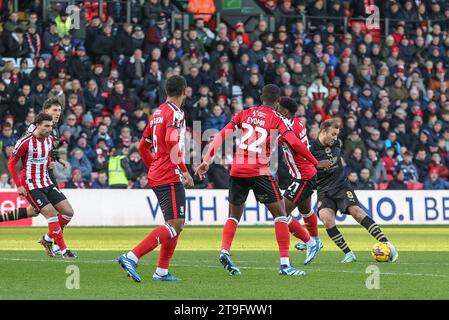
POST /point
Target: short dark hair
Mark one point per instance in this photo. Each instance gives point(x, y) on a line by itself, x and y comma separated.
point(175, 86)
point(289, 104)
point(330, 123)
point(271, 93)
point(51, 102)
point(41, 117)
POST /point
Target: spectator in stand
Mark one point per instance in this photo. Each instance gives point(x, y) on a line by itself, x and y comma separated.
point(434, 182)
point(353, 179)
point(365, 183)
point(408, 168)
point(78, 160)
point(63, 173)
point(142, 182)
point(398, 182)
point(77, 181)
point(101, 182)
point(376, 167)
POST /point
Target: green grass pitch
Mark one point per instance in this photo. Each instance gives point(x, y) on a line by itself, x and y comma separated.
point(422, 271)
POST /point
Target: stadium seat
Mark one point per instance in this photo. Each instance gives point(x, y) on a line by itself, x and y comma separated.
point(382, 186)
point(415, 186)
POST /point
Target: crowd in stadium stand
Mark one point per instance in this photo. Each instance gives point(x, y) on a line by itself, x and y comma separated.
point(390, 92)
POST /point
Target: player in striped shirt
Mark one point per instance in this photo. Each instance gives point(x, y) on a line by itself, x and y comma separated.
point(53, 108)
point(34, 151)
point(298, 194)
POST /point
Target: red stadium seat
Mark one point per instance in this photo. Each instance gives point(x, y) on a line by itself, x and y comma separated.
point(415, 186)
point(382, 186)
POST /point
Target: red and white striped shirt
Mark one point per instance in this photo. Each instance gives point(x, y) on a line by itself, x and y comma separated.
point(299, 167)
point(35, 154)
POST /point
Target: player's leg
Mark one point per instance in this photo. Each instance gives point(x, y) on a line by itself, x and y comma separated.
point(55, 231)
point(267, 192)
point(65, 212)
point(168, 247)
point(327, 209)
point(309, 216)
point(19, 214)
point(373, 228)
point(291, 196)
point(230, 226)
point(238, 193)
point(166, 195)
point(311, 221)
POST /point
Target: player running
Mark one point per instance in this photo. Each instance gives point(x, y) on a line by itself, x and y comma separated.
point(334, 192)
point(53, 108)
point(165, 136)
point(250, 170)
point(298, 194)
point(34, 150)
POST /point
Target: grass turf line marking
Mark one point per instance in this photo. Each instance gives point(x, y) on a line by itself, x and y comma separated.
point(220, 267)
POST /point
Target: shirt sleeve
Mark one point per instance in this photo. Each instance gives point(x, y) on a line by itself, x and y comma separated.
point(20, 150)
point(283, 126)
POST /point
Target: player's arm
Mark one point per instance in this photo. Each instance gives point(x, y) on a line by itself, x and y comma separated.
point(216, 144)
point(218, 141)
point(299, 147)
point(145, 151)
point(172, 139)
point(213, 147)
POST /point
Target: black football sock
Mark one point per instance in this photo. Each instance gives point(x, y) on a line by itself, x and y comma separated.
point(337, 237)
point(17, 214)
point(374, 229)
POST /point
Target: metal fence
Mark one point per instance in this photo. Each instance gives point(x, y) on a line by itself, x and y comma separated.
point(184, 19)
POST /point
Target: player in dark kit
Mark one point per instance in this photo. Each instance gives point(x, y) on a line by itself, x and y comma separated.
point(250, 170)
point(298, 194)
point(53, 108)
point(162, 150)
point(34, 151)
point(335, 193)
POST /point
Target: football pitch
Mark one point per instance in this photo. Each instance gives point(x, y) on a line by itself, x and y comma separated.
point(422, 271)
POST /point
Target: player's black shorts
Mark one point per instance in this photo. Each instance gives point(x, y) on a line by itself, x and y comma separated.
point(300, 190)
point(341, 199)
point(172, 198)
point(265, 189)
point(39, 198)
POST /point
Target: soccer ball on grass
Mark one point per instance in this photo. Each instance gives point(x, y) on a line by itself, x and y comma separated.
point(381, 252)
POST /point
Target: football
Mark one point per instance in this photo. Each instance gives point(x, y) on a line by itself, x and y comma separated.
point(381, 252)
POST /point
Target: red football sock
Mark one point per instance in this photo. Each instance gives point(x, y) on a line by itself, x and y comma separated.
point(312, 224)
point(167, 249)
point(158, 236)
point(229, 230)
point(63, 220)
point(296, 229)
point(55, 232)
point(282, 236)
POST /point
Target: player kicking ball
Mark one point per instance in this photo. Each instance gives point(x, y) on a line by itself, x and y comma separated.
point(34, 151)
point(53, 108)
point(298, 194)
point(251, 170)
point(334, 192)
point(164, 137)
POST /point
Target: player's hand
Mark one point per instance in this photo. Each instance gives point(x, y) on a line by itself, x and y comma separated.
point(202, 169)
point(324, 164)
point(21, 191)
point(52, 165)
point(188, 181)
